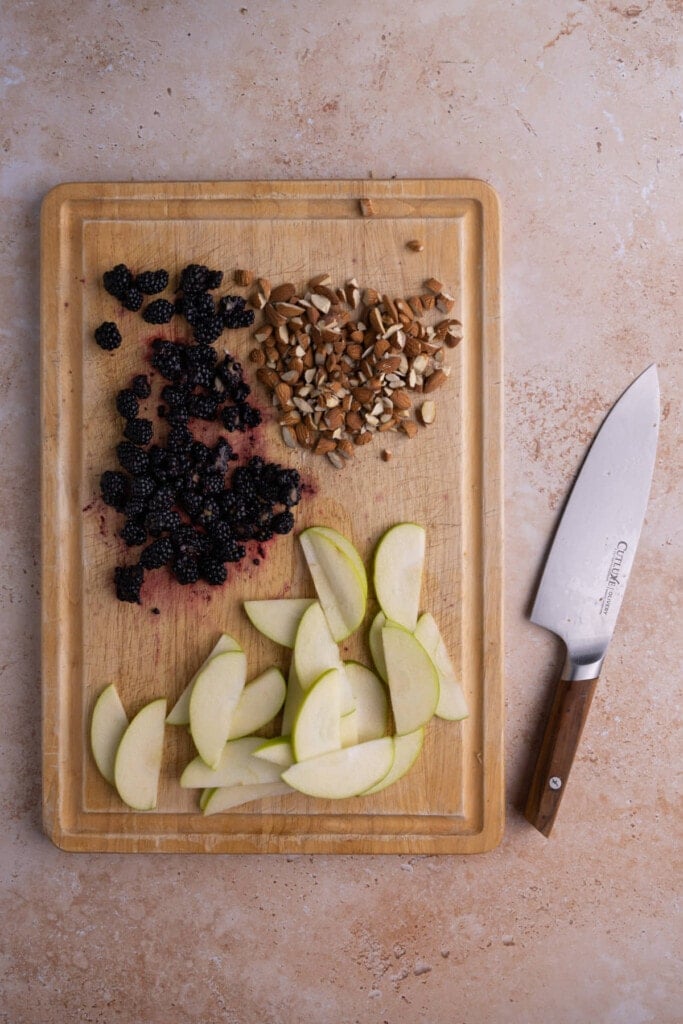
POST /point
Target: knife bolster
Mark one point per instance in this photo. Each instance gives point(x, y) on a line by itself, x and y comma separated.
point(582, 668)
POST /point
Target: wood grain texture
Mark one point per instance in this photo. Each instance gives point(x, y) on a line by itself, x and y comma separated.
point(563, 730)
point(449, 478)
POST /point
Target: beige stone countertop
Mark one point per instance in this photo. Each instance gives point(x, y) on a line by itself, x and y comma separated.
point(572, 111)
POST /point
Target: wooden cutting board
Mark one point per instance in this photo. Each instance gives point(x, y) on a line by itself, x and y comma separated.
point(449, 478)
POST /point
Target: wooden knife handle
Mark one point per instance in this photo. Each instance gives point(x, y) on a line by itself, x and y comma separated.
point(560, 742)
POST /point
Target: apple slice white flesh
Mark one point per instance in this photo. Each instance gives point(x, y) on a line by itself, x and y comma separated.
point(277, 750)
point(295, 694)
point(215, 696)
point(375, 643)
point(236, 767)
point(180, 712)
point(347, 547)
point(278, 619)
point(205, 796)
point(370, 699)
point(259, 702)
point(138, 757)
point(413, 679)
point(317, 727)
point(399, 560)
point(452, 704)
point(223, 798)
point(341, 589)
point(315, 651)
point(407, 751)
point(348, 729)
point(108, 723)
point(343, 773)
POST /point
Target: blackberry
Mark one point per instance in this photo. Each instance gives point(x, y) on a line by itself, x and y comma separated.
point(142, 487)
point(132, 299)
point(158, 312)
point(192, 503)
point(214, 279)
point(213, 571)
point(161, 499)
point(134, 534)
point(200, 454)
point(193, 278)
point(176, 464)
point(213, 481)
point(158, 553)
point(135, 460)
point(283, 522)
point(114, 489)
point(236, 389)
point(207, 331)
point(128, 580)
point(263, 533)
point(186, 569)
point(134, 507)
point(108, 336)
point(287, 489)
point(200, 356)
point(151, 282)
point(178, 440)
point(203, 407)
point(197, 308)
point(140, 386)
point(210, 512)
point(239, 318)
point(249, 415)
point(230, 417)
point(235, 552)
point(175, 395)
point(164, 519)
point(118, 280)
point(167, 358)
point(139, 431)
point(127, 404)
point(202, 377)
point(230, 304)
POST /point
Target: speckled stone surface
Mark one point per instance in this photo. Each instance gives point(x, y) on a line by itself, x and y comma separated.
point(572, 111)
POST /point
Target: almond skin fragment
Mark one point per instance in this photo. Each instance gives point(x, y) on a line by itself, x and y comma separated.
point(416, 244)
point(367, 209)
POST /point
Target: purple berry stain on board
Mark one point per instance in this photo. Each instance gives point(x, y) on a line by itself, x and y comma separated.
point(194, 502)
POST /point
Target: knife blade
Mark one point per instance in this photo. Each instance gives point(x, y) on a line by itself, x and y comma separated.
point(585, 576)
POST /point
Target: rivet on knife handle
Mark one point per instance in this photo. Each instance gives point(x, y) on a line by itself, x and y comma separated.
point(560, 741)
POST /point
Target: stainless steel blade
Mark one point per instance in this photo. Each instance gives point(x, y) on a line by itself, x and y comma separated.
point(592, 553)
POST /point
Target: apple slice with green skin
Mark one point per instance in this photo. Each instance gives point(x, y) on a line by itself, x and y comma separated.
point(180, 712)
point(343, 773)
point(315, 653)
point(399, 560)
point(108, 723)
point(278, 619)
point(413, 679)
point(138, 758)
point(215, 696)
point(375, 643)
point(317, 727)
point(277, 750)
point(407, 751)
point(295, 694)
point(452, 704)
point(347, 547)
point(260, 701)
point(348, 729)
point(205, 796)
point(370, 698)
point(341, 589)
point(236, 767)
point(225, 797)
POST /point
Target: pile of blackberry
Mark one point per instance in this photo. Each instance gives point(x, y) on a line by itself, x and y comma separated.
point(185, 503)
point(207, 317)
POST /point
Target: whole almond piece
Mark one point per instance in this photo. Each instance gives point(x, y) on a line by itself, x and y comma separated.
point(435, 381)
point(319, 279)
point(283, 393)
point(324, 445)
point(401, 399)
point(432, 285)
point(282, 293)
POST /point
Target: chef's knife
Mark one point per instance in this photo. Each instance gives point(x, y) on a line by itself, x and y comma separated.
point(586, 573)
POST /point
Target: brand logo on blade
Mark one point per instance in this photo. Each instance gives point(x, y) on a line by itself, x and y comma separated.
point(613, 580)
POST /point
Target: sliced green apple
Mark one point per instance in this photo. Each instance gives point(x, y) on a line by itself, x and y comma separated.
point(138, 757)
point(340, 585)
point(347, 547)
point(223, 798)
point(343, 773)
point(295, 694)
point(452, 704)
point(180, 712)
point(215, 696)
point(375, 643)
point(108, 723)
point(317, 727)
point(259, 702)
point(205, 796)
point(407, 751)
point(278, 619)
point(315, 651)
point(348, 729)
point(399, 560)
point(413, 679)
point(370, 699)
point(236, 767)
point(277, 750)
